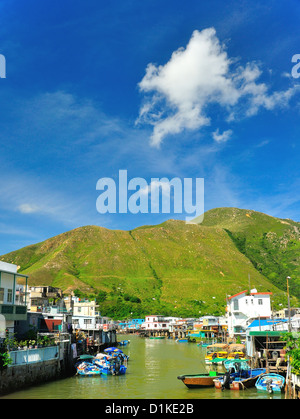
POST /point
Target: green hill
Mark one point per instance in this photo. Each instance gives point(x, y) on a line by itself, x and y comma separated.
point(173, 268)
point(271, 244)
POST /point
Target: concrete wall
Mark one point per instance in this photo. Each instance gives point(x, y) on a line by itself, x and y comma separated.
point(18, 377)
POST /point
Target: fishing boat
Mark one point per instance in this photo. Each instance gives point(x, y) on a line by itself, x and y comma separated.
point(113, 366)
point(238, 375)
point(112, 362)
point(240, 383)
point(270, 382)
point(157, 337)
point(236, 351)
point(237, 364)
point(182, 340)
point(124, 342)
point(198, 380)
point(216, 353)
point(112, 351)
point(204, 344)
point(87, 367)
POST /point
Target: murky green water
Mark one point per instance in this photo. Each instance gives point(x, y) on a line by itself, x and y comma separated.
point(152, 373)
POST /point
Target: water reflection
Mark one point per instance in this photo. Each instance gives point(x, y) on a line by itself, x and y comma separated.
point(152, 372)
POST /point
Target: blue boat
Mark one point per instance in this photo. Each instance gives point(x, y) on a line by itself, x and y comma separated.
point(270, 382)
point(241, 383)
point(239, 375)
point(112, 350)
point(182, 340)
point(88, 369)
point(113, 369)
point(111, 364)
point(237, 364)
point(124, 342)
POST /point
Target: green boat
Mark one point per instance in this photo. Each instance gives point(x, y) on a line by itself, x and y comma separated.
point(157, 337)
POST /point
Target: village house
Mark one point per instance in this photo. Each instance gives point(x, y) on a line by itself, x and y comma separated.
point(243, 308)
point(132, 325)
point(13, 304)
point(41, 296)
point(155, 322)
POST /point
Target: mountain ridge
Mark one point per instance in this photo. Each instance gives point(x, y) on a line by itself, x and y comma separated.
point(171, 268)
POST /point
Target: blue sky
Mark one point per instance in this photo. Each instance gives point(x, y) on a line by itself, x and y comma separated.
point(191, 89)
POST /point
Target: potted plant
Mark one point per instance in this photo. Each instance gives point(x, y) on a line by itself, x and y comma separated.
point(31, 343)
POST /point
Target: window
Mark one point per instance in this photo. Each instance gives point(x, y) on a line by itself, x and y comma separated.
point(235, 304)
point(260, 302)
point(9, 296)
point(1, 295)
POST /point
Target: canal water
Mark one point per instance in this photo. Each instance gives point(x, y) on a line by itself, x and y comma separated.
point(152, 372)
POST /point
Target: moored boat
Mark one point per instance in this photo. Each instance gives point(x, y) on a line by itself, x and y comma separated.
point(216, 353)
point(88, 368)
point(270, 382)
point(239, 376)
point(240, 383)
point(157, 337)
point(236, 351)
point(237, 364)
point(198, 380)
point(111, 368)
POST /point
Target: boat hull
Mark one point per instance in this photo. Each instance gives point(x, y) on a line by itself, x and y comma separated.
point(243, 384)
point(270, 383)
point(239, 380)
point(89, 373)
point(215, 361)
point(197, 381)
point(157, 337)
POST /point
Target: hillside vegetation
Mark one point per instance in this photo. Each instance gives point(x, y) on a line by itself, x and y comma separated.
point(271, 244)
point(173, 268)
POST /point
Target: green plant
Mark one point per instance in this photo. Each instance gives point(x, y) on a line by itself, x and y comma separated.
point(10, 342)
point(23, 343)
point(5, 360)
point(293, 351)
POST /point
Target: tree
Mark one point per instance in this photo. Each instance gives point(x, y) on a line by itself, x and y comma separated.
point(293, 350)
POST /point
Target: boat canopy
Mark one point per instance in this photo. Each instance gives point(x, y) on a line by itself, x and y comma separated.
point(218, 347)
point(236, 347)
point(112, 349)
point(85, 357)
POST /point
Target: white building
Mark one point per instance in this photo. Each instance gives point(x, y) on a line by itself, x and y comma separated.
point(12, 297)
point(244, 307)
point(155, 322)
point(87, 317)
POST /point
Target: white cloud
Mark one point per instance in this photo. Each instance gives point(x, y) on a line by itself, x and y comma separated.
point(26, 195)
point(221, 138)
point(178, 94)
point(28, 208)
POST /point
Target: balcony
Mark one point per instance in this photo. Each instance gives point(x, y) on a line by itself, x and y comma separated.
point(13, 311)
point(55, 310)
